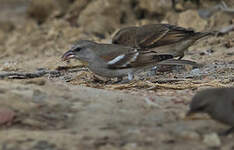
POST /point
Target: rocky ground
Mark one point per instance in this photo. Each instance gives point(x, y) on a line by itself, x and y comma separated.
point(70, 108)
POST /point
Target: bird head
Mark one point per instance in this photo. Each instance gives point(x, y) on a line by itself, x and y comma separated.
point(80, 50)
point(200, 103)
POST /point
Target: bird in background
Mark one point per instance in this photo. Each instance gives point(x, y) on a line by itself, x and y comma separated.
point(159, 38)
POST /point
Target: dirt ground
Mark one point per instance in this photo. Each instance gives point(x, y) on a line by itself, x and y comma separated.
point(73, 109)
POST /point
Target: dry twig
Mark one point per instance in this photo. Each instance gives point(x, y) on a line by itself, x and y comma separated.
point(37, 74)
point(27, 75)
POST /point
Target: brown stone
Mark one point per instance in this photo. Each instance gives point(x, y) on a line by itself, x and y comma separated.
point(101, 16)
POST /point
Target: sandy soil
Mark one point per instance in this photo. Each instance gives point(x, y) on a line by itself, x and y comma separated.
point(77, 110)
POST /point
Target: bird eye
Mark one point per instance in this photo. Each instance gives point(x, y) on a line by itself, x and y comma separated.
point(77, 49)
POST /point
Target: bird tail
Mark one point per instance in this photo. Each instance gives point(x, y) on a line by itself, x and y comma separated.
point(180, 62)
point(204, 34)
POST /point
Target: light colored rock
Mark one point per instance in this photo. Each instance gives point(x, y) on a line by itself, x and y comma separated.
point(215, 20)
point(212, 140)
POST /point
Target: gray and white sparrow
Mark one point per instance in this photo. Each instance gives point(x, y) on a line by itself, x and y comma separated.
point(112, 60)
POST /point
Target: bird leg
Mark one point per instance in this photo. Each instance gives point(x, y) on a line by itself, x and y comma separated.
point(153, 71)
point(130, 76)
point(121, 81)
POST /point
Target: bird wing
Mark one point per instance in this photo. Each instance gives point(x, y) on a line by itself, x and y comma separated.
point(121, 60)
point(125, 36)
point(155, 35)
point(180, 62)
point(120, 57)
point(135, 59)
point(149, 58)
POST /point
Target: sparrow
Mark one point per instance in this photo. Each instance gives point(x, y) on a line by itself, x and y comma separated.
point(160, 38)
point(218, 103)
point(111, 60)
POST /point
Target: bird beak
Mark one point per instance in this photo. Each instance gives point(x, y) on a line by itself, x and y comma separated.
point(68, 55)
point(189, 115)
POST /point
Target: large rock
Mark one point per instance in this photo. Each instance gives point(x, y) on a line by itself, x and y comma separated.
point(103, 16)
point(212, 140)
